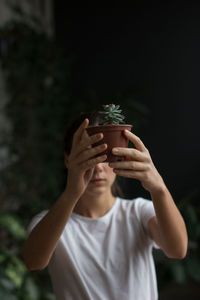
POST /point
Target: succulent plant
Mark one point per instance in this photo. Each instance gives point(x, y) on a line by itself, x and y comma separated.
point(111, 114)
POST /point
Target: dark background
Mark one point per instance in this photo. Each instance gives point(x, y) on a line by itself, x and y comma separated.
point(154, 50)
point(150, 52)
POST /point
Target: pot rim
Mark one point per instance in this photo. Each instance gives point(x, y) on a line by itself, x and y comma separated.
point(110, 125)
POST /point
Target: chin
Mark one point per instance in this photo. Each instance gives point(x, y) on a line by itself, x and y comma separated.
point(96, 190)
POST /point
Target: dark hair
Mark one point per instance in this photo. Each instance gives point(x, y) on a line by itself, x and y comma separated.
point(93, 118)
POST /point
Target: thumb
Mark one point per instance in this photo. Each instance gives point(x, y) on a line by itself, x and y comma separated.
point(89, 174)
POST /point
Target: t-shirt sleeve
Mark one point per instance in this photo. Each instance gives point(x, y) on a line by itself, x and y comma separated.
point(35, 221)
point(145, 211)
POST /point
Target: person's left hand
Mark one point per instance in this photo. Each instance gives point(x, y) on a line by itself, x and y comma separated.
point(137, 164)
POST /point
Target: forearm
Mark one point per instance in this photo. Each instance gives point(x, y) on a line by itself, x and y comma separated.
point(168, 227)
point(43, 239)
point(172, 229)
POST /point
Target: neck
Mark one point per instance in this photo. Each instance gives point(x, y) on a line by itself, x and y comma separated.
point(94, 206)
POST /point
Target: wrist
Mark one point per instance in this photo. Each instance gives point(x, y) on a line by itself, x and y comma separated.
point(158, 190)
point(69, 196)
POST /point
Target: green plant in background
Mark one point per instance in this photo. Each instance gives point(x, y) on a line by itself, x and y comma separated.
point(111, 114)
point(37, 76)
point(188, 269)
point(16, 282)
point(36, 72)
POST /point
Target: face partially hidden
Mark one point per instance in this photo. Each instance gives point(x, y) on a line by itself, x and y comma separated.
point(102, 179)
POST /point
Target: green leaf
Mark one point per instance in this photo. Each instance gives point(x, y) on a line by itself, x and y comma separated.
point(178, 272)
point(31, 290)
point(5, 295)
point(193, 268)
point(118, 115)
point(118, 111)
point(2, 258)
point(111, 115)
point(7, 284)
point(12, 224)
point(16, 270)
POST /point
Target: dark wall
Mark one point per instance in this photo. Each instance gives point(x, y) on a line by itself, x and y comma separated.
point(156, 51)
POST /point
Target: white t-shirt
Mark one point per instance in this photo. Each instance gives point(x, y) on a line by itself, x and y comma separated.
point(107, 258)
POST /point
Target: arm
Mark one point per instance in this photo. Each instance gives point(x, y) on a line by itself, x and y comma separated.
point(167, 228)
point(43, 239)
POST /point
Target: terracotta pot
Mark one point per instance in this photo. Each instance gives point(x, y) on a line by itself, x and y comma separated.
point(113, 137)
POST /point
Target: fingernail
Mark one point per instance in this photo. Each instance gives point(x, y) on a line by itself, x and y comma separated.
point(115, 150)
point(103, 146)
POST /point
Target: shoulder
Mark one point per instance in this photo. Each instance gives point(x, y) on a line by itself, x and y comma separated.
point(35, 220)
point(141, 208)
point(142, 203)
point(134, 203)
point(133, 206)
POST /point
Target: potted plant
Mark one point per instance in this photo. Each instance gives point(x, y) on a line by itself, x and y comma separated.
point(111, 124)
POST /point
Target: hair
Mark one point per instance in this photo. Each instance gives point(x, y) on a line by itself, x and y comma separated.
point(70, 129)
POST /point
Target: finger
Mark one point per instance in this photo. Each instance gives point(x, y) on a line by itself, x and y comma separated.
point(129, 174)
point(84, 136)
point(89, 153)
point(89, 173)
point(93, 162)
point(89, 140)
point(79, 132)
point(129, 165)
point(135, 140)
point(131, 153)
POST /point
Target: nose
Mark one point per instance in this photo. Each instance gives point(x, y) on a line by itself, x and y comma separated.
point(99, 167)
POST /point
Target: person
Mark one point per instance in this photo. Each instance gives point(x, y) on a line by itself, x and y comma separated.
point(96, 244)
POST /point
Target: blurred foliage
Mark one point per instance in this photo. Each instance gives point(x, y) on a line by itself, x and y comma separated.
point(16, 282)
point(37, 76)
point(188, 269)
point(40, 103)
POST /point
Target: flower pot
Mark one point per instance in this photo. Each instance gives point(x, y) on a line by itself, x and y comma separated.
point(112, 136)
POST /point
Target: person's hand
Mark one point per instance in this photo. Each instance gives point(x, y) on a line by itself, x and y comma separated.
point(81, 162)
point(137, 164)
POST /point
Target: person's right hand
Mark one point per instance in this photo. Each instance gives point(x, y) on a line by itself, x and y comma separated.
point(81, 162)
